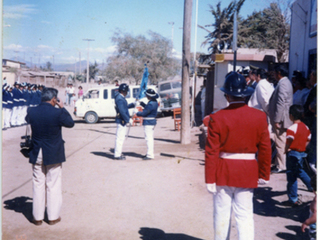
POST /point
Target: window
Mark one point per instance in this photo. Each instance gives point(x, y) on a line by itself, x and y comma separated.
point(113, 92)
point(105, 94)
point(93, 94)
point(176, 85)
point(135, 92)
point(165, 86)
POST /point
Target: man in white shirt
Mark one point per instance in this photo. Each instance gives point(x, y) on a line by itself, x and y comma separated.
point(263, 91)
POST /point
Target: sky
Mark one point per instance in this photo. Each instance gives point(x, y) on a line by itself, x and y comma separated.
point(54, 30)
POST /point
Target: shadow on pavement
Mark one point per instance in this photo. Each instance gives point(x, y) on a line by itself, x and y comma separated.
point(110, 155)
point(265, 205)
point(299, 235)
point(158, 234)
point(20, 205)
point(177, 156)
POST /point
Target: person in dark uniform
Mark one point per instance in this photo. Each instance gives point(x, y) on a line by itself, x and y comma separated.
point(47, 155)
point(122, 119)
point(15, 110)
point(149, 114)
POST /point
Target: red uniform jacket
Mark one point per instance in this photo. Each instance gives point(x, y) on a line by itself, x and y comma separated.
point(237, 129)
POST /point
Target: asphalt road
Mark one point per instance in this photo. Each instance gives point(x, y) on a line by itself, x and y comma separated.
point(164, 198)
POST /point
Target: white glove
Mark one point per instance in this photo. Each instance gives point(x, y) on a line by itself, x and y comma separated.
point(212, 188)
point(262, 181)
point(130, 121)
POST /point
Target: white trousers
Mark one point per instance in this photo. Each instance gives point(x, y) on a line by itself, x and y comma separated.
point(14, 116)
point(7, 117)
point(148, 133)
point(120, 137)
point(23, 114)
point(240, 201)
point(46, 190)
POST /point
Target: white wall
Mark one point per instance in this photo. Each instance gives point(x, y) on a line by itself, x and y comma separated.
point(300, 40)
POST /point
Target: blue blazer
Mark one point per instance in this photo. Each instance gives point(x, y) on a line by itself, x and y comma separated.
point(122, 106)
point(149, 112)
point(46, 122)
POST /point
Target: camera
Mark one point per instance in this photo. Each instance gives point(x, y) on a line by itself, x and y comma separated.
point(27, 143)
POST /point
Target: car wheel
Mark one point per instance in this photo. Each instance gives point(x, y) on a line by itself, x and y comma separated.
point(91, 117)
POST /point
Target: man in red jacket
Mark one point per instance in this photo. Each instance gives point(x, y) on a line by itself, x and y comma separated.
point(235, 135)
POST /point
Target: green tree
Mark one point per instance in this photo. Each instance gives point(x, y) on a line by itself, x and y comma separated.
point(135, 51)
point(268, 29)
point(223, 24)
point(93, 70)
point(47, 67)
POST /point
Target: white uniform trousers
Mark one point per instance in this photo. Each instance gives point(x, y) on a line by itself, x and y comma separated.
point(46, 190)
point(7, 117)
point(14, 116)
point(23, 114)
point(239, 200)
point(120, 137)
point(148, 133)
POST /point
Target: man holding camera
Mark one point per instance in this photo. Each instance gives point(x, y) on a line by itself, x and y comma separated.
point(47, 155)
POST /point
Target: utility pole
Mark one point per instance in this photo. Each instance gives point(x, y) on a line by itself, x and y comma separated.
point(52, 62)
point(185, 101)
point(194, 67)
point(88, 40)
point(80, 63)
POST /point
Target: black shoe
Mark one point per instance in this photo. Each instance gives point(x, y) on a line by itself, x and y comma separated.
point(122, 157)
point(146, 158)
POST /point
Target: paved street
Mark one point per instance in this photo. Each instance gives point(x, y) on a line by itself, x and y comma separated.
point(164, 198)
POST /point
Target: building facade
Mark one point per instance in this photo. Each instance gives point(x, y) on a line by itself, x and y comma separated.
point(303, 37)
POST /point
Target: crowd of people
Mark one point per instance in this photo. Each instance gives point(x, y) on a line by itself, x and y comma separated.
point(15, 101)
point(264, 108)
point(289, 123)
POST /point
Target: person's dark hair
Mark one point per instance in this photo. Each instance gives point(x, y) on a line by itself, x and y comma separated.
point(254, 71)
point(263, 74)
point(282, 69)
point(48, 94)
point(296, 111)
point(302, 81)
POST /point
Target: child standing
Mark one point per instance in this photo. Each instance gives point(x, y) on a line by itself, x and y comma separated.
point(298, 137)
point(80, 92)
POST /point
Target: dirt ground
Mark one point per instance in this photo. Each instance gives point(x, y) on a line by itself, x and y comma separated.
point(164, 198)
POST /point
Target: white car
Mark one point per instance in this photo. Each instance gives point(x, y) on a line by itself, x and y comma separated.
point(98, 103)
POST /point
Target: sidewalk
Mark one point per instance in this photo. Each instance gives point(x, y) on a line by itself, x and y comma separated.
point(164, 198)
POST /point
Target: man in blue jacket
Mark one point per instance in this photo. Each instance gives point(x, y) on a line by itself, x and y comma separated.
point(149, 114)
point(122, 119)
point(47, 154)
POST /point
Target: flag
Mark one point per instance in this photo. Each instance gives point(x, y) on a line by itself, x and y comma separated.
point(144, 82)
